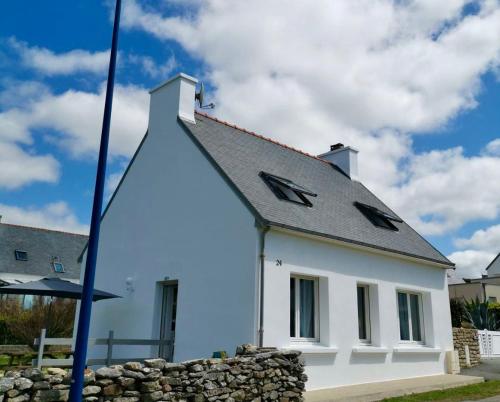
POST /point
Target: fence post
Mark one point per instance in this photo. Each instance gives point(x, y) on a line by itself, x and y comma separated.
point(489, 339)
point(41, 347)
point(109, 356)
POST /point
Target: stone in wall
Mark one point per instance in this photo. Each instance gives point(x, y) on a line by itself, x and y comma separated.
point(254, 374)
point(467, 336)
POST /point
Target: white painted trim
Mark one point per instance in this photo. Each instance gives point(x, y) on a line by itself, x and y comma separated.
point(311, 349)
point(335, 151)
point(417, 349)
point(370, 349)
point(180, 75)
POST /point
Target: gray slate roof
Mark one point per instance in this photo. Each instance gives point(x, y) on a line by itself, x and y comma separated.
point(241, 156)
point(41, 245)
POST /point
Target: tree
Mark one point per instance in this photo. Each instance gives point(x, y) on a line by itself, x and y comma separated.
point(458, 313)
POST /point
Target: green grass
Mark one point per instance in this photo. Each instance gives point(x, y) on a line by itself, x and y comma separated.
point(467, 393)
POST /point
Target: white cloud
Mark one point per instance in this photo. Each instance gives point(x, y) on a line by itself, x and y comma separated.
point(153, 69)
point(476, 252)
point(470, 263)
point(18, 167)
point(49, 63)
point(364, 64)
point(112, 182)
point(77, 118)
point(445, 189)
point(492, 148)
point(482, 239)
point(74, 121)
point(57, 216)
point(15, 93)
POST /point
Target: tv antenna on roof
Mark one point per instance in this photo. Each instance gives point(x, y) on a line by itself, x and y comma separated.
point(199, 97)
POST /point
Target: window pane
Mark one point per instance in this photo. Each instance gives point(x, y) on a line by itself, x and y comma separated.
point(307, 308)
point(292, 307)
point(362, 312)
point(415, 318)
point(404, 325)
point(290, 194)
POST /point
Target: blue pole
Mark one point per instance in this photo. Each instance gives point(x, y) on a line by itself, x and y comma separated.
point(82, 334)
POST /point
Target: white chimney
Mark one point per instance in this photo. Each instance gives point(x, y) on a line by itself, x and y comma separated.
point(346, 158)
point(175, 97)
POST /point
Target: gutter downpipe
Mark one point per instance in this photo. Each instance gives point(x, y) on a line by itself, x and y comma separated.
point(263, 229)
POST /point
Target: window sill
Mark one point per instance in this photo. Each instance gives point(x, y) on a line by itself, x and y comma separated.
point(313, 349)
point(370, 349)
point(417, 349)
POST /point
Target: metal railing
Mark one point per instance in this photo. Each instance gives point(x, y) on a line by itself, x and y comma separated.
point(110, 342)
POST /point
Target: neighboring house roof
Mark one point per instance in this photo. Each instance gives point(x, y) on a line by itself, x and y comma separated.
point(493, 261)
point(43, 247)
point(241, 155)
point(490, 280)
point(454, 280)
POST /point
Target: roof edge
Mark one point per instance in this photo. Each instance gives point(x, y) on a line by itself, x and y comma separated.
point(262, 137)
point(409, 226)
point(43, 229)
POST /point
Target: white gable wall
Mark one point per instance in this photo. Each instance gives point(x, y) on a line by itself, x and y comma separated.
point(339, 269)
point(494, 268)
point(174, 216)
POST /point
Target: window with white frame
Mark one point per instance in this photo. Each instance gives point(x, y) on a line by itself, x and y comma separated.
point(364, 330)
point(410, 317)
point(304, 309)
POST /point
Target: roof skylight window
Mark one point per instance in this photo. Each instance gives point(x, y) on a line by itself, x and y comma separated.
point(377, 217)
point(21, 255)
point(286, 189)
point(58, 267)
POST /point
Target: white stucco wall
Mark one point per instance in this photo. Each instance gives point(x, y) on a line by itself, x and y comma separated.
point(339, 269)
point(175, 217)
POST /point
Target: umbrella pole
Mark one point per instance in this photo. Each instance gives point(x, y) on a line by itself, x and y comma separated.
point(47, 319)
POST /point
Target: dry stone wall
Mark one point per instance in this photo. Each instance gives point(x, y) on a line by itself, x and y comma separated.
point(469, 337)
point(254, 374)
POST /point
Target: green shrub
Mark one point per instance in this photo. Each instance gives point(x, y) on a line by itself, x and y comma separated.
point(481, 316)
point(20, 327)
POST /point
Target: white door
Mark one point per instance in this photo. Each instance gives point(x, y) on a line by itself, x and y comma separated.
point(168, 315)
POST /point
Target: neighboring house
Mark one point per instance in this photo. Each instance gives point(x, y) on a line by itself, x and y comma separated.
point(485, 288)
point(29, 254)
point(218, 236)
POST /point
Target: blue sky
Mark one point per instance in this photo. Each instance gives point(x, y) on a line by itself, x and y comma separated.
point(414, 87)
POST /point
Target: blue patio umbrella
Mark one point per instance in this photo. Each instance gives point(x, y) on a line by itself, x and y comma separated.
point(53, 287)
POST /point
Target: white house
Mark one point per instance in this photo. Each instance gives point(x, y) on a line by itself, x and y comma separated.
point(219, 236)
